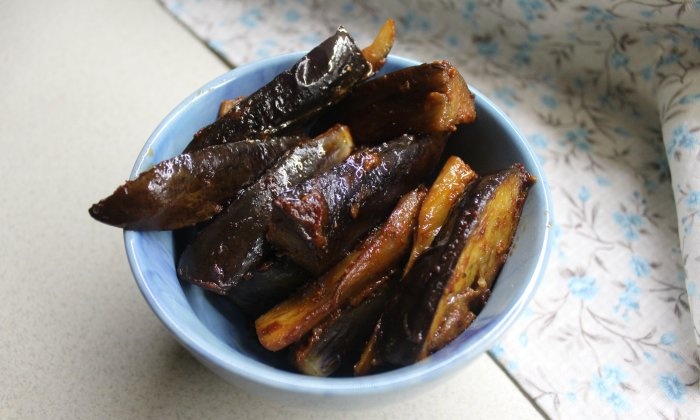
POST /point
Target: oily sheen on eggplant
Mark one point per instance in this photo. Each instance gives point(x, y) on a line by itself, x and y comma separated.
point(191, 187)
point(318, 80)
point(438, 297)
point(337, 341)
point(380, 253)
point(447, 189)
point(234, 242)
point(426, 98)
point(317, 222)
point(266, 285)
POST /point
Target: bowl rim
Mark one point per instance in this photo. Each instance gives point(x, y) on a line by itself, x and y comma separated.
point(398, 379)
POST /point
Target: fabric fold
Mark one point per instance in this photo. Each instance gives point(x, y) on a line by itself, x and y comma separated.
point(679, 105)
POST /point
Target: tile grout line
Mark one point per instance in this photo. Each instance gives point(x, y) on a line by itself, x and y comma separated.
point(189, 30)
point(520, 387)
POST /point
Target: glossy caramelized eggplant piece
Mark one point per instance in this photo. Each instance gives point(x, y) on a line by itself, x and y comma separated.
point(268, 284)
point(318, 80)
point(446, 190)
point(234, 242)
point(316, 223)
point(338, 340)
point(438, 297)
point(382, 251)
point(420, 99)
point(191, 187)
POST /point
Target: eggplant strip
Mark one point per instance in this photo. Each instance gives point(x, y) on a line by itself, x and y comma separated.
point(341, 336)
point(321, 219)
point(268, 284)
point(380, 252)
point(433, 305)
point(447, 189)
point(378, 50)
point(369, 359)
point(227, 105)
point(318, 80)
point(191, 187)
point(234, 242)
point(421, 99)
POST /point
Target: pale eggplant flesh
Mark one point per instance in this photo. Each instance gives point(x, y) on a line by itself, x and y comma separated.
point(377, 52)
point(437, 298)
point(190, 188)
point(317, 222)
point(448, 187)
point(234, 242)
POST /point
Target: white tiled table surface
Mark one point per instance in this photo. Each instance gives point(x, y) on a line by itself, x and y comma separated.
point(82, 85)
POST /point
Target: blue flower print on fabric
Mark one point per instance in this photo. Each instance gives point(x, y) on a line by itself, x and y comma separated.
point(292, 15)
point(629, 300)
point(608, 384)
point(630, 224)
point(578, 137)
point(583, 287)
point(251, 18)
point(531, 8)
point(549, 101)
point(672, 387)
point(681, 138)
point(487, 46)
point(506, 95)
point(640, 266)
point(619, 60)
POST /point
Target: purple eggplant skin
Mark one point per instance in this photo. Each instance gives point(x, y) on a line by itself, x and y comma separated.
point(268, 284)
point(191, 187)
point(426, 98)
point(317, 222)
point(338, 340)
point(318, 80)
point(410, 315)
point(234, 242)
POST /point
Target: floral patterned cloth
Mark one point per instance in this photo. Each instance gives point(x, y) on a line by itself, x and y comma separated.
point(608, 94)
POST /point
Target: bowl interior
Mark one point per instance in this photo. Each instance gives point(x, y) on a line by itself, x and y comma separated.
point(221, 337)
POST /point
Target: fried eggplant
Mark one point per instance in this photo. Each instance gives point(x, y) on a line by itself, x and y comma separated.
point(448, 187)
point(438, 296)
point(378, 50)
point(191, 187)
point(268, 284)
point(426, 98)
point(227, 105)
point(234, 242)
point(338, 339)
point(317, 222)
point(369, 360)
point(318, 80)
point(382, 251)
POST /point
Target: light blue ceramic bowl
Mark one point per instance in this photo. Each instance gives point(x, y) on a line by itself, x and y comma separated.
point(221, 339)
